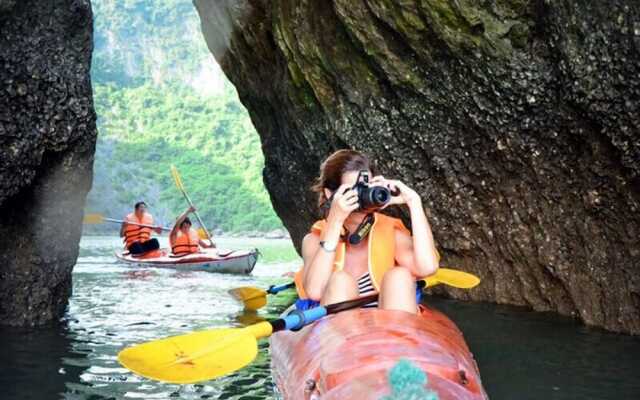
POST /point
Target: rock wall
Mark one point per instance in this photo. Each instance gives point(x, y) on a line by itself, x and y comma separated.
point(47, 141)
point(517, 121)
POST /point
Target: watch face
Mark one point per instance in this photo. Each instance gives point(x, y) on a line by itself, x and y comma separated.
point(323, 244)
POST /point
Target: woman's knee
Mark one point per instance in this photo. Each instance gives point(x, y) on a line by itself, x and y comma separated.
point(341, 287)
point(398, 277)
point(398, 291)
point(342, 279)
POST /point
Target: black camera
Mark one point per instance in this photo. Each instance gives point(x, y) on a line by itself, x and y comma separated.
point(370, 198)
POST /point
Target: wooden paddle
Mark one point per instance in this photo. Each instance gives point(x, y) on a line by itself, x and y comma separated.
point(255, 298)
point(99, 219)
point(178, 180)
point(204, 355)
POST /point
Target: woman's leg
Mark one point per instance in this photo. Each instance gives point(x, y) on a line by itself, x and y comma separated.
point(398, 291)
point(341, 287)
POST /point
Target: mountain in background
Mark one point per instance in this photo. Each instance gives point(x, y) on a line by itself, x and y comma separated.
point(161, 99)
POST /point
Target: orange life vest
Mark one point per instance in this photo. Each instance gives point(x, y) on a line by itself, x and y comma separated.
point(135, 233)
point(186, 244)
point(382, 249)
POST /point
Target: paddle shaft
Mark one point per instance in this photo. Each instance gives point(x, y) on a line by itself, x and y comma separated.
point(459, 279)
point(273, 289)
point(298, 319)
point(204, 228)
point(119, 221)
point(188, 199)
point(276, 289)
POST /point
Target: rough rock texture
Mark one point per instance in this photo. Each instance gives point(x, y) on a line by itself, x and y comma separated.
point(47, 140)
point(517, 121)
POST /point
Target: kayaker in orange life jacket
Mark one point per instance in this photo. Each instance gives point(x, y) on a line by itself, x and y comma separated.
point(138, 238)
point(183, 238)
point(354, 252)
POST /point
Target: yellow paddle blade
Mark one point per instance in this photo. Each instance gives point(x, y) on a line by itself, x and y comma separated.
point(176, 177)
point(252, 297)
point(202, 234)
point(195, 357)
point(255, 303)
point(453, 277)
point(93, 219)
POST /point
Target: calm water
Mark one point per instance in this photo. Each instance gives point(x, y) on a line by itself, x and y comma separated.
point(522, 355)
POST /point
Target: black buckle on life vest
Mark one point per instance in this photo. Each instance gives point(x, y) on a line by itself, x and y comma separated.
point(362, 230)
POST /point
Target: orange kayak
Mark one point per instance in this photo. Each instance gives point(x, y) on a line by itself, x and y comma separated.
point(348, 356)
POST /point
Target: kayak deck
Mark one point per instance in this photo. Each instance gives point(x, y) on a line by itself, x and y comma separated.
point(348, 356)
point(210, 260)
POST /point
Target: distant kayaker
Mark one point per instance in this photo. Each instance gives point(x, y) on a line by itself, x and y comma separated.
point(138, 238)
point(355, 252)
point(184, 239)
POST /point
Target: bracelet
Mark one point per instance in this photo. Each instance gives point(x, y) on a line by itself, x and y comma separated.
point(328, 249)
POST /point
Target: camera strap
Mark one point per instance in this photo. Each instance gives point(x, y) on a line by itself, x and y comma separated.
point(362, 230)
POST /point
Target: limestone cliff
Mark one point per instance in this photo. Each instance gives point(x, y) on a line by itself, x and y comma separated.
point(517, 121)
point(47, 140)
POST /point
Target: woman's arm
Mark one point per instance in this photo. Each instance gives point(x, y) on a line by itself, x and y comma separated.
point(176, 226)
point(318, 262)
point(122, 228)
point(418, 253)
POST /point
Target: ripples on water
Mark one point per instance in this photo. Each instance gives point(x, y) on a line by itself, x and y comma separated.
point(114, 306)
point(522, 355)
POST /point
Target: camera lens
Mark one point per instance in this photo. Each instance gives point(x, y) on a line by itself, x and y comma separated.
point(379, 195)
point(372, 197)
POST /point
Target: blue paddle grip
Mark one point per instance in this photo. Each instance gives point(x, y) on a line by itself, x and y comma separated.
point(279, 288)
point(298, 319)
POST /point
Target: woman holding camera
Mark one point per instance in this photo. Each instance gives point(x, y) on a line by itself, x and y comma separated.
point(384, 257)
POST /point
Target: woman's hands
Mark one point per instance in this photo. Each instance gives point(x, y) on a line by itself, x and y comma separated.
point(404, 194)
point(344, 202)
point(345, 199)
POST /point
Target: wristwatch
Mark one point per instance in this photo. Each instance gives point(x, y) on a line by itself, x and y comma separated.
point(328, 247)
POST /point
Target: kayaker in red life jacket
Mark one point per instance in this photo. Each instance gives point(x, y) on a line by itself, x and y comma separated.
point(384, 257)
point(138, 238)
point(184, 239)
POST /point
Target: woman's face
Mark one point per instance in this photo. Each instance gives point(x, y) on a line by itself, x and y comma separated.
point(350, 178)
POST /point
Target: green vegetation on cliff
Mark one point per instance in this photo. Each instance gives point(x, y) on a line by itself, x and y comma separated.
point(161, 99)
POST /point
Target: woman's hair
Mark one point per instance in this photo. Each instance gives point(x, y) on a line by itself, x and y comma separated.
point(186, 220)
point(332, 169)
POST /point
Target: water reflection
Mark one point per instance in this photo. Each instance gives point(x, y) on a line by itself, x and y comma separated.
point(246, 317)
point(34, 364)
point(525, 355)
